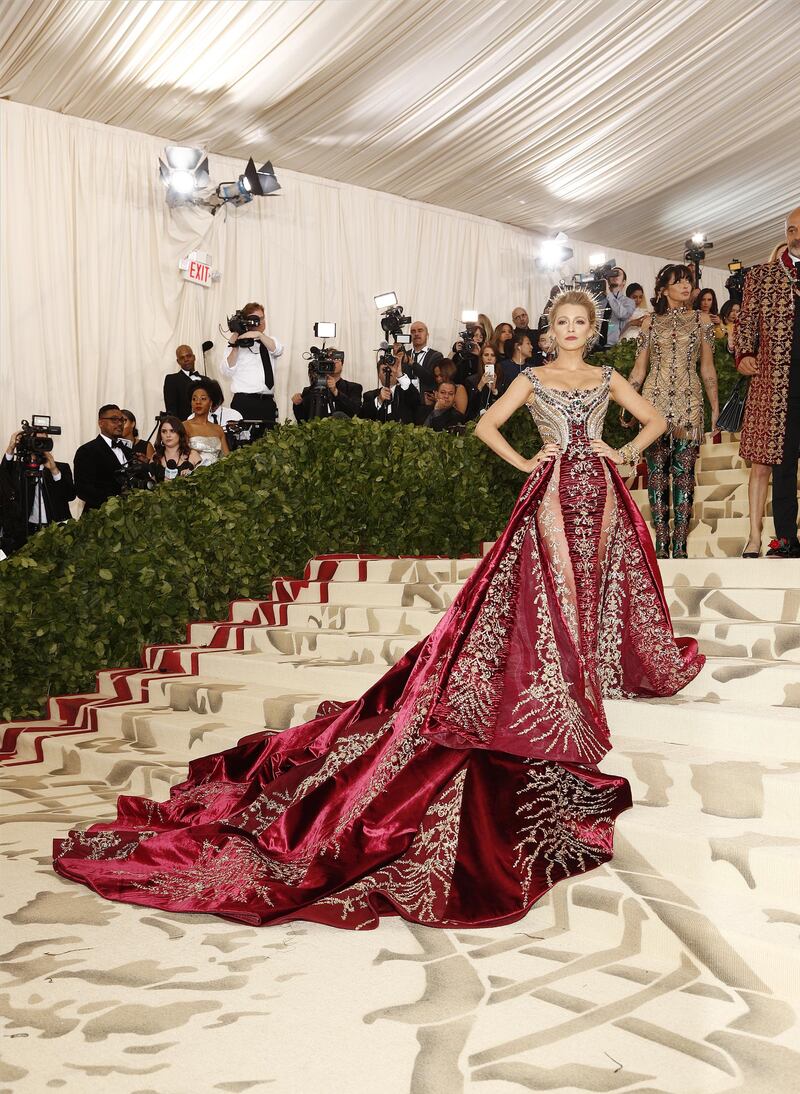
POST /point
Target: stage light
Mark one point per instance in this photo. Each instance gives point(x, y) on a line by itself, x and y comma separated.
point(262, 182)
point(553, 252)
point(186, 178)
point(184, 174)
point(698, 239)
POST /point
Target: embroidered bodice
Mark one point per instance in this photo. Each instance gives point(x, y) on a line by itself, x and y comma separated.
point(208, 447)
point(672, 385)
point(569, 418)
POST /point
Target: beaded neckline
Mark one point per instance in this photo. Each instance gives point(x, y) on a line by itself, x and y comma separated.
point(570, 390)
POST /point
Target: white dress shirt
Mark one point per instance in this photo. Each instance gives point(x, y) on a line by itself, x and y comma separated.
point(247, 372)
point(119, 452)
point(404, 382)
point(38, 513)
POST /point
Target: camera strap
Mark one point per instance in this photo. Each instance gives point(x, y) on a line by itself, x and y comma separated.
point(266, 361)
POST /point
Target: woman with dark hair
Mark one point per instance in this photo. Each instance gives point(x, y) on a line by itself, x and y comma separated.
point(729, 314)
point(141, 450)
point(636, 293)
point(448, 370)
point(503, 333)
point(671, 343)
point(706, 302)
point(173, 455)
point(486, 385)
point(220, 414)
point(206, 437)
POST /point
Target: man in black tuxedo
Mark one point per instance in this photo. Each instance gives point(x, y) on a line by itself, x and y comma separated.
point(422, 358)
point(341, 397)
point(178, 385)
point(97, 462)
point(395, 400)
point(32, 501)
point(444, 414)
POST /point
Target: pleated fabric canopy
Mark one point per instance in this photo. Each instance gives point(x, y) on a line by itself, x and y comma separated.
point(631, 121)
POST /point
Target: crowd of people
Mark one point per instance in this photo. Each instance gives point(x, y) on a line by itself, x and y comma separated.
point(418, 385)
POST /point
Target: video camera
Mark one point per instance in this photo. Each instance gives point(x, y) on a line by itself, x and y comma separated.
point(735, 281)
point(392, 320)
point(240, 323)
point(594, 282)
point(31, 445)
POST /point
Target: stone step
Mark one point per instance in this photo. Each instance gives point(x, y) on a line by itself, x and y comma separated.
point(724, 603)
point(766, 733)
point(720, 476)
point(664, 773)
point(760, 640)
point(729, 855)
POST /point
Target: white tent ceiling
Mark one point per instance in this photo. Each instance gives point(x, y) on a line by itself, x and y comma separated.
point(634, 122)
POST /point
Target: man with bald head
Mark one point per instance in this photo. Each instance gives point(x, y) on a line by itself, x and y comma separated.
point(422, 358)
point(768, 350)
point(178, 385)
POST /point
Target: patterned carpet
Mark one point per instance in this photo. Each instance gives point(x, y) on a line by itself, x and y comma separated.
point(675, 969)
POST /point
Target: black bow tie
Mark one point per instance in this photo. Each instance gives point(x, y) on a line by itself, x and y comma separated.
point(117, 443)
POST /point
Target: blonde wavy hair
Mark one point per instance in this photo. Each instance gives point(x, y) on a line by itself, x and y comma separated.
point(577, 298)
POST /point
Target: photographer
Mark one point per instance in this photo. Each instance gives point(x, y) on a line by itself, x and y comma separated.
point(617, 308)
point(98, 463)
point(37, 490)
point(340, 397)
point(444, 414)
point(396, 399)
point(423, 358)
point(248, 363)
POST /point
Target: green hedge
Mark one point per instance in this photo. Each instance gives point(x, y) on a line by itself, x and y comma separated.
point(92, 593)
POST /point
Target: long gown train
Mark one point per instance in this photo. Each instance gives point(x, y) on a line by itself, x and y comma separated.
point(463, 784)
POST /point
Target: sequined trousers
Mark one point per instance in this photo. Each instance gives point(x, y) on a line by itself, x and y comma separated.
point(671, 462)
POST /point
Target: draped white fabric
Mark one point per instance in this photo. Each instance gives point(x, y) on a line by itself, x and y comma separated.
point(93, 304)
point(627, 121)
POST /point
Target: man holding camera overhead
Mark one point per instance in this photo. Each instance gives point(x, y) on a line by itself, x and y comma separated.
point(37, 490)
point(248, 364)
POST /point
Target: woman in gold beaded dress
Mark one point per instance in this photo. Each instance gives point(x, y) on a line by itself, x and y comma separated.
point(670, 344)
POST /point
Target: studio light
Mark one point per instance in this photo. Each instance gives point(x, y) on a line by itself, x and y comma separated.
point(598, 259)
point(186, 178)
point(698, 239)
point(553, 252)
point(185, 173)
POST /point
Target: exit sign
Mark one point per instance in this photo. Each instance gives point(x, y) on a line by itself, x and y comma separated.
point(196, 267)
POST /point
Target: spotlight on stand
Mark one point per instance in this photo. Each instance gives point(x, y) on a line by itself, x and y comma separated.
point(184, 174)
point(262, 182)
point(553, 253)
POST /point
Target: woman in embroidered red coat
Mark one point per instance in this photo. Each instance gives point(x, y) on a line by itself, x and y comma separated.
point(464, 783)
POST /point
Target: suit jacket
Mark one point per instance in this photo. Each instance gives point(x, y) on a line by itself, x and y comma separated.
point(348, 401)
point(424, 371)
point(445, 420)
point(18, 500)
point(96, 478)
point(177, 400)
point(404, 406)
point(764, 330)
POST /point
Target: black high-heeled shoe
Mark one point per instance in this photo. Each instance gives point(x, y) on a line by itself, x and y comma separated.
point(751, 554)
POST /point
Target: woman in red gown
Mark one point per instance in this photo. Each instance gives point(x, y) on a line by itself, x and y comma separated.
point(462, 785)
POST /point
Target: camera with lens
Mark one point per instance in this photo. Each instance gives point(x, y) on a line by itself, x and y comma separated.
point(34, 440)
point(594, 282)
point(321, 363)
point(735, 280)
point(240, 323)
point(393, 321)
point(135, 475)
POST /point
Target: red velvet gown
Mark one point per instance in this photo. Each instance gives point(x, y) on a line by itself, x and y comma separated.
point(461, 786)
